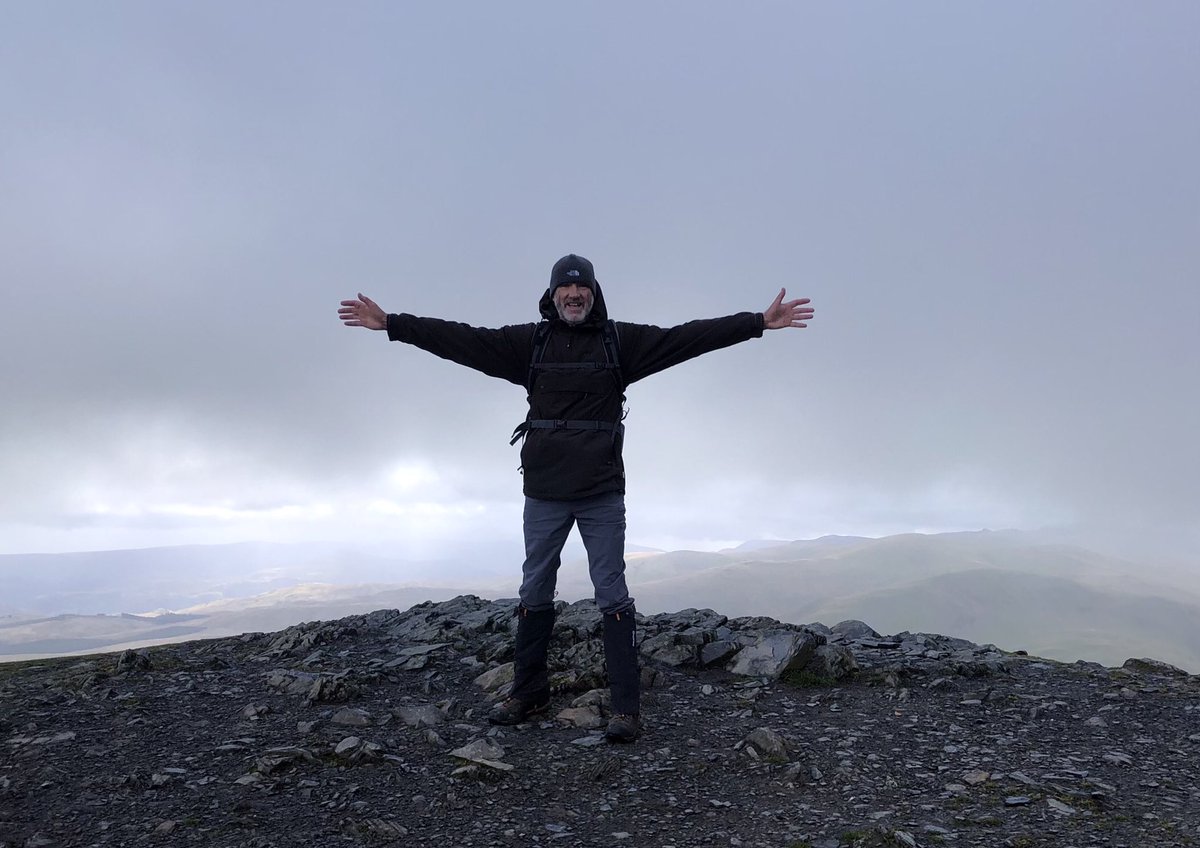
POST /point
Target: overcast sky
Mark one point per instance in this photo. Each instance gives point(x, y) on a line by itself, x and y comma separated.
point(995, 209)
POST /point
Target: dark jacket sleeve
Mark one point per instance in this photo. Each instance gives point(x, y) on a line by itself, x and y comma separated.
point(646, 349)
point(503, 352)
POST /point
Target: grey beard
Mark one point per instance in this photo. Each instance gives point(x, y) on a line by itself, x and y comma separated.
point(562, 314)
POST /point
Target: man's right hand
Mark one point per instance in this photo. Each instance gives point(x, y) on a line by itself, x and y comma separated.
point(363, 312)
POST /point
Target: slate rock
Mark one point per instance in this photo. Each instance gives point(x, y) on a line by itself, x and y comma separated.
point(851, 629)
point(586, 718)
point(1149, 666)
point(669, 649)
point(719, 652)
point(484, 752)
point(835, 662)
point(768, 743)
point(493, 679)
point(277, 759)
point(347, 745)
point(773, 652)
point(131, 661)
point(424, 716)
point(291, 682)
point(351, 717)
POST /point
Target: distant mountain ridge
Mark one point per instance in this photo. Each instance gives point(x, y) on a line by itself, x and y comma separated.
point(179, 577)
point(1003, 587)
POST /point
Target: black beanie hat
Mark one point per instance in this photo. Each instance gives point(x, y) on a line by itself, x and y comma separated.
point(572, 269)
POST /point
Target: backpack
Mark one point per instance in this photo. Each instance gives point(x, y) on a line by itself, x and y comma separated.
point(612, 353)
point(612, 360)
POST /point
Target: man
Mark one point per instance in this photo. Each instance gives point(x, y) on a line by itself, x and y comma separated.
point(575, 365)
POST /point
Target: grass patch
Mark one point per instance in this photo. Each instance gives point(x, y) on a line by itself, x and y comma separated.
point(162, 658)
point(13, 669)
point(802, 679)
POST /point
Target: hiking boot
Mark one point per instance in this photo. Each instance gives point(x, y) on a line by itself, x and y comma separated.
point(515, 711)
point(623, 728)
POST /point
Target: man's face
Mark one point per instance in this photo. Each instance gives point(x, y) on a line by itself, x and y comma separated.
point(573, 302)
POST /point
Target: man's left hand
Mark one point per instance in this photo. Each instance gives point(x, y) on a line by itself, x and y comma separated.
point(791, 314)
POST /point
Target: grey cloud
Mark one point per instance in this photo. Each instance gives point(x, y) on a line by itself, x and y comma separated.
point(996, 221)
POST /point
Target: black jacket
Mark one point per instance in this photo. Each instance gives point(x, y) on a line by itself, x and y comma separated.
point(564, 464)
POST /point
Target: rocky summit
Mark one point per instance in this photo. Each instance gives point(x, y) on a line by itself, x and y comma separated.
point(370, 730)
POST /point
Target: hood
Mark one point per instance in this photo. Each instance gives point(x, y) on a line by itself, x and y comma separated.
point(596, 318)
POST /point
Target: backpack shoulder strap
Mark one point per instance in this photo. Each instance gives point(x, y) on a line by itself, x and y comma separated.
point(612, 349)
point(541, 335)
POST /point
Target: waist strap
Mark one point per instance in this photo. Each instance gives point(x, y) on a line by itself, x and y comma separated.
point(563, 424)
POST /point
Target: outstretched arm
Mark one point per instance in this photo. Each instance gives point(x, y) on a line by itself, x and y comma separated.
point(646, 350)
point(779, 314)
point(502, 353)
point(363, 312)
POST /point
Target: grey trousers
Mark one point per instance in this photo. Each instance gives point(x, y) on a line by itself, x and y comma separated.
point(601, 522)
